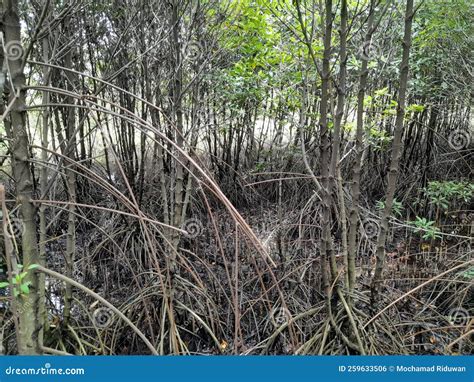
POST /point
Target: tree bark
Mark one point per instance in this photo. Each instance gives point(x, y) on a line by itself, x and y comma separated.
point(359, 148)
point(31, 319)
point(396, 152)
point(328, 266)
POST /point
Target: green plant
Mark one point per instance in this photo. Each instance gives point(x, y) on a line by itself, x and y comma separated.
point(378, 139)
point(426, 228)
point(397, 207)
point(442, 194)
point(469, 274)
point(20, 285)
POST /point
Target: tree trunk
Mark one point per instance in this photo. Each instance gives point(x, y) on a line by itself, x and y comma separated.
point(396, 152)
point(325, 154)
point(359, 148)
point(31, 319)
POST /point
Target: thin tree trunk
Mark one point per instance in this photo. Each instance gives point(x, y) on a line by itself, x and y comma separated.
point(31, 319)
point(44, 169)
point(70, 150)
point(396, 152)
point(325, 154)
point(354, 210)
point(341, 98)
point(178, 120)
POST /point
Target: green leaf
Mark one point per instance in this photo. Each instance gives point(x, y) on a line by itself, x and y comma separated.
point(4, 285)
point(381, 92)
point(469, 274)
point(25, 288)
